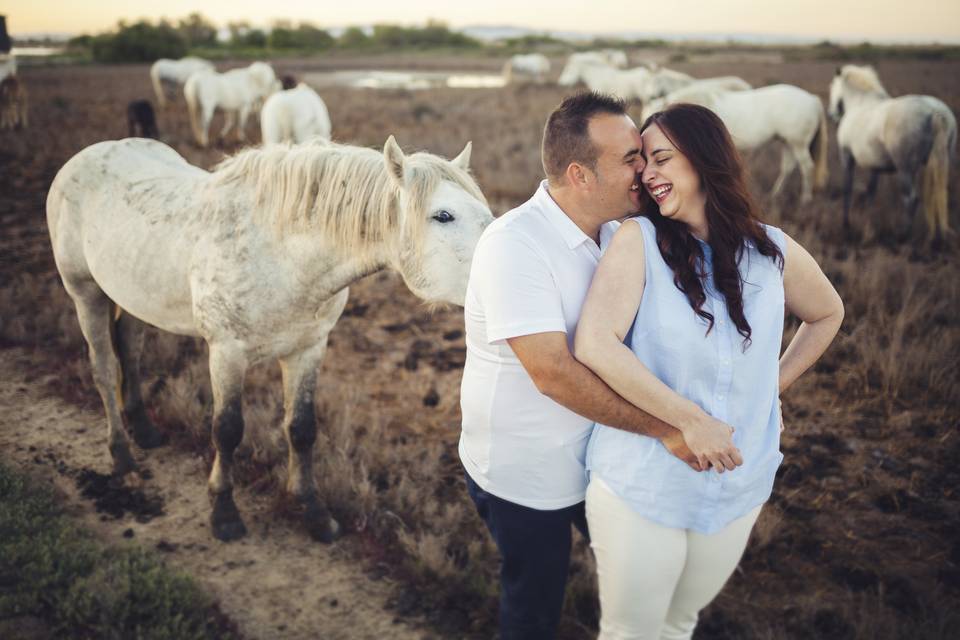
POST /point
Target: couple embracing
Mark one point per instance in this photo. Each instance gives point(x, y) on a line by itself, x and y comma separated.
point(623, 370)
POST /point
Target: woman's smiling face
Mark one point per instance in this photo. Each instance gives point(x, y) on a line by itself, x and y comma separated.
point(671, 179)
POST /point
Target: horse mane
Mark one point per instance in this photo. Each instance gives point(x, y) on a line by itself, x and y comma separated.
point(863, 79)
point(340, 192)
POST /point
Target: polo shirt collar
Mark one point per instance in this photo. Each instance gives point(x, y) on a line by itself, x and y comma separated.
point(567, 228)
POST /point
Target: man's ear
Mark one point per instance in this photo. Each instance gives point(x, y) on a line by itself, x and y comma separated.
point(578, 175)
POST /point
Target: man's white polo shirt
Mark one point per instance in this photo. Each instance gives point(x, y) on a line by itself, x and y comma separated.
point(530, 274)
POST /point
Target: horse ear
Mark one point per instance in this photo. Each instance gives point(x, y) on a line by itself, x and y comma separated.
point(393, 156)
point(463, 160)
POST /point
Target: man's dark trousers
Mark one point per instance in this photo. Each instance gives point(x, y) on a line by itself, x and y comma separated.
point(534, 550)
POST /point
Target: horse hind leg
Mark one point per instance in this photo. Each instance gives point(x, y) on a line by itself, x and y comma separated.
point(129, 343)
point(787, 162)
point(228, 364)
point(911, 199)
point(95, 312)
point(807, 166)
point(300, 426)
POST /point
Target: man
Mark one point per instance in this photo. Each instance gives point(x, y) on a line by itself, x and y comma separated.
point(528, 405)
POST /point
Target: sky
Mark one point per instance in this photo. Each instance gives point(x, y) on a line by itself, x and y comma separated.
point(877, 20)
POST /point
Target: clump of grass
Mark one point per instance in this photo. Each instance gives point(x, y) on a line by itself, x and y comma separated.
point(53, 571)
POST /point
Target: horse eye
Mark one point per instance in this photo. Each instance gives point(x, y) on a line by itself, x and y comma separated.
point(443, 216)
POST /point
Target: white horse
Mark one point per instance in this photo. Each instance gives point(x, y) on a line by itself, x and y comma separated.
point(571, 73)
point(256, 258)
point(755, 117)
point(663, 81)
point(628, 84)
point(237, 92)
point(915, 136)
point(530, 67)
point(294, 115)
point(175, 72)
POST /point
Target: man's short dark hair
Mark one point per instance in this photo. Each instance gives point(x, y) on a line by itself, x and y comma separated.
point(566, 137)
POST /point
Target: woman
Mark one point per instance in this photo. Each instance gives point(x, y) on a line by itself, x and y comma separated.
point(702, 284)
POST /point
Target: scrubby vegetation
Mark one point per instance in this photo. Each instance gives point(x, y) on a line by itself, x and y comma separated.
point(56, 577)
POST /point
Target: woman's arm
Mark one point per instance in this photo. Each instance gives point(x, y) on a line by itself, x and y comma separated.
point(809, 296)
point(608, 312)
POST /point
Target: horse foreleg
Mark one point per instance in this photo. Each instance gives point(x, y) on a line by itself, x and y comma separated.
point(228, 121)
point(129, 343)
point(300, 426)
point(872, 186)
point(95, 313)
point(847, 162)
point(228, 363)
point(242, 126)
point(787, 163)
point(206, 116)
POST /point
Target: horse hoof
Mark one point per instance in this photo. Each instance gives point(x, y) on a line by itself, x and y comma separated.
point(147, 436)
point(228, 531)
point(225, 521)
point(321, 526)
point(123, 462)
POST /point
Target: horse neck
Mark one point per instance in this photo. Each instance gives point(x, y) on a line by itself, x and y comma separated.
point(327, 269)
point(859, 99)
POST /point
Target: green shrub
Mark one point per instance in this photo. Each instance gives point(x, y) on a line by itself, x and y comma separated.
point(53, 571)
point(139, 42)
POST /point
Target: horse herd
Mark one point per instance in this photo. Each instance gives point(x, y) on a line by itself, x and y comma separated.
point(289, 112)
point(256, 256)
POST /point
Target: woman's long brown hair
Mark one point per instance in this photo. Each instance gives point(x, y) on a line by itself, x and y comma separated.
point(733, 217)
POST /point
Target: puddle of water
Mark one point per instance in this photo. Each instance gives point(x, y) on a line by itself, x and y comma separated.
point(35, 51)
point(413, 80)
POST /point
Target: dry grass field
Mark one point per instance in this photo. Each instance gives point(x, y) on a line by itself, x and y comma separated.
point(860, 538)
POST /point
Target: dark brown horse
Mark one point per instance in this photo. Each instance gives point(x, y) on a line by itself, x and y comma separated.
point(140, 118)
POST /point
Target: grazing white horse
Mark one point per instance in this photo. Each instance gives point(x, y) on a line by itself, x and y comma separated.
point(754, 117)
point(628, 84)
point(237, 92)
point(663, 81)
point(605, 57)
point(255, 257)
point(175, 72)
point(294, 115)
point(526, 68)
point(915, 136)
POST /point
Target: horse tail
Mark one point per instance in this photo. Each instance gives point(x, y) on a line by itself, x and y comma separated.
point(157, 84)
point(818, 151)
point(935, 173)
point(193, 106)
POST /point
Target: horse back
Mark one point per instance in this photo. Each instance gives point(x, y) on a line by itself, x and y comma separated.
point(126, 215)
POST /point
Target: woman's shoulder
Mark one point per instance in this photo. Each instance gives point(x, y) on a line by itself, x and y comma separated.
point(776, 234)
point(646, 225)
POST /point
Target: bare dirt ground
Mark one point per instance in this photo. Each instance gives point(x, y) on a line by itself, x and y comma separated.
point(274, 583)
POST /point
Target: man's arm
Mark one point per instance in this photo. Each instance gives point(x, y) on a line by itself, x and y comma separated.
point(558, 375)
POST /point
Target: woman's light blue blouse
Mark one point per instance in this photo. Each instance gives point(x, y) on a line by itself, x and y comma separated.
point(736, 385)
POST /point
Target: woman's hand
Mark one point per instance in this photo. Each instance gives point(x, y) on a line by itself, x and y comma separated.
point(711, 441)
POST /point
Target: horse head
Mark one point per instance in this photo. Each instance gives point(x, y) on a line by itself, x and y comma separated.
point(442, 214)
point(835, 109)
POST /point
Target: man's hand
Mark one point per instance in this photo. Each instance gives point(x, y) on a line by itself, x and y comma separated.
point(676, 445)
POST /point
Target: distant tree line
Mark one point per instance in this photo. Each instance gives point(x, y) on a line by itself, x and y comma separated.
point(144, 41)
